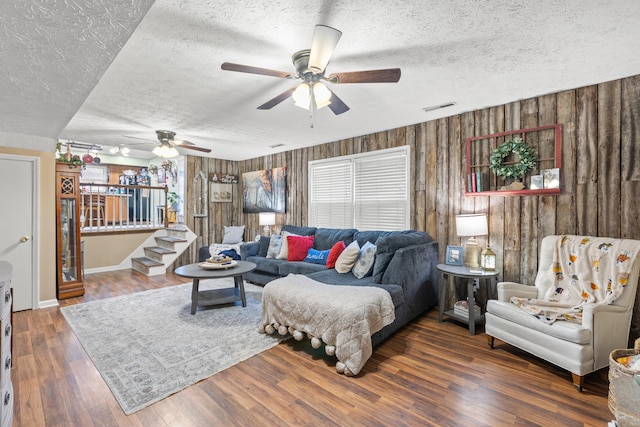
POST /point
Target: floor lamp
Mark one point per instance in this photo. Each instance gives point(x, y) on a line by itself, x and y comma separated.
point(471, 226)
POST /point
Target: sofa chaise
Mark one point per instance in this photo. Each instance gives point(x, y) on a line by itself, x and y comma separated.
point(405, 266)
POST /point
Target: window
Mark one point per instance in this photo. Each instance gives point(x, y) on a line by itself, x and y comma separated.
point(367, 191)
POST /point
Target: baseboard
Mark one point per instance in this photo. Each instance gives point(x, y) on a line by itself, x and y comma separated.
point(48, 303)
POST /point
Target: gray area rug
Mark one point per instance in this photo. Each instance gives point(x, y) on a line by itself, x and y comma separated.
point(148, 346)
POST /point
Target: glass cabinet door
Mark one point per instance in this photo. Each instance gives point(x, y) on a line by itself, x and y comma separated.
point(70, 252)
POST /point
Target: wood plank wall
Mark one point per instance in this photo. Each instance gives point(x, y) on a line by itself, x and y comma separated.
point(600, 176)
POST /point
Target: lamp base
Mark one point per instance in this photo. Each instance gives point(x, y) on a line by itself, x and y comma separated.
point(266, 231)
point(472, 254)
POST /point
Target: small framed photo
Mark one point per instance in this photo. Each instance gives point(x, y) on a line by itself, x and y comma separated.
point(551, 178)
point(536, 182)
point(454, 255)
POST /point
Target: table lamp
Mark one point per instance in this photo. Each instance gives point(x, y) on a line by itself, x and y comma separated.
point(267, 219)
point(471, 226)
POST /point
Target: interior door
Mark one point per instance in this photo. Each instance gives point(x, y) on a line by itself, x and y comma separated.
point(17, 227)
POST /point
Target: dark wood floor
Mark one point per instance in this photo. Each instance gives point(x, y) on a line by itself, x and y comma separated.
point(426, 374)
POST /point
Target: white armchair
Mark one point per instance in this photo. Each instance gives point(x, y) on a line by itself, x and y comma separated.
point(580, 349)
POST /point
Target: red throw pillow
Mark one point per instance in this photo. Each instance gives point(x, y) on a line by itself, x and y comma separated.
point(298, 247)
point(335, 252)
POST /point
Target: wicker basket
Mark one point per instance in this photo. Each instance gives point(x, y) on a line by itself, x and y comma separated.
point(617, 370)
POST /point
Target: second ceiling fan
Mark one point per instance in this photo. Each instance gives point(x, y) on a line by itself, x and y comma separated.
point(310, 66)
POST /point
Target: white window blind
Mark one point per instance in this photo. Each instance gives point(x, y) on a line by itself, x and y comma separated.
point(331, 195)
point(367, 191)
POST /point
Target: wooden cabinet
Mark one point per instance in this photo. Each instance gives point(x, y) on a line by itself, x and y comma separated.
point(68, 249)
point(117, 208)
point(6, 333)
point(546, 141)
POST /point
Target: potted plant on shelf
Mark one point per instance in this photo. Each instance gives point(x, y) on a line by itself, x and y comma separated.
point(174, 199)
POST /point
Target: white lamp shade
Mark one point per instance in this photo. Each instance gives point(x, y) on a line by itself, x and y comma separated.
point(471, 225)
point(321, 94)
point(267, 218)
point(301, 96)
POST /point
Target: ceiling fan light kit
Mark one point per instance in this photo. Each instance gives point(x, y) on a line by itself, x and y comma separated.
point(165, 151)
point(310, 65)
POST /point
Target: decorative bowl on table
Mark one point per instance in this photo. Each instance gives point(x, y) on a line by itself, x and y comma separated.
point(217, 266)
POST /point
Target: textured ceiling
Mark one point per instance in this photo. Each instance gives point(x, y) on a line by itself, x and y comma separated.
point(166, 75)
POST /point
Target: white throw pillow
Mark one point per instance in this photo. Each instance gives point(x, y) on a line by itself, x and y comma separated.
point(364, 265)
point(348, 257)
point(274, 246)
point(284, 247)
point(233, 234)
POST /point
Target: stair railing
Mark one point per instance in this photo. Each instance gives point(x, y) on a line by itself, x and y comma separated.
point(109, 208)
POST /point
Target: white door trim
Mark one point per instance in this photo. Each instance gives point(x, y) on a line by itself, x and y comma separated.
point(35, 223)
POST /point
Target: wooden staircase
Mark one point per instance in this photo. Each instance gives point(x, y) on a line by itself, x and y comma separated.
point(169, 244)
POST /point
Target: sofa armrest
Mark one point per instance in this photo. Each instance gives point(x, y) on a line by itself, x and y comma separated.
point(203, 253)
point(609, 326)
point(414, 268)
point(249, 249)
point(506, 290)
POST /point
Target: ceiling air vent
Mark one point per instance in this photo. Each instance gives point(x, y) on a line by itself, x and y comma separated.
point(437, 107)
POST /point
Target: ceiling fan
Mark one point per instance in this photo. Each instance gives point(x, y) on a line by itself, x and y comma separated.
point(167, 144)
point(310, 66)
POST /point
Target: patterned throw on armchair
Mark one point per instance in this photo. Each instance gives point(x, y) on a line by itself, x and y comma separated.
point(580, 308)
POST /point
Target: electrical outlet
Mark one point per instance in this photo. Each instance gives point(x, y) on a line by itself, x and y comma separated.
point(476, 284)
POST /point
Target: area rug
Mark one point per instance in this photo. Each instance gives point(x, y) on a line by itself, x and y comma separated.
point(148, 345)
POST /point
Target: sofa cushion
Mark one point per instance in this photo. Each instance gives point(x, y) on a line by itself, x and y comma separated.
point(332, 277)
point(284, 247)
point(298, 246)
point(334, 253)
point(299, 267)
point(315, 256)
point(364, 264)
point(325, 238)
point(347, 258)
point(264, 245)
point(274, 246)
point(267, 265)
point(300, 231)
point(388, 245)
point(567, 331)
point(371, 236)
point(233, 234)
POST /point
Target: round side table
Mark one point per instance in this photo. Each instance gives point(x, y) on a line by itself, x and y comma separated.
point(455, 271)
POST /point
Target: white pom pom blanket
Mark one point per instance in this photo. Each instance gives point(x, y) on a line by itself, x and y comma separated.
point(343, 317)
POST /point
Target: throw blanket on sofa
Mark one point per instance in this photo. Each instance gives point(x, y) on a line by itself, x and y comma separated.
point(343, 317)
point(587, 270)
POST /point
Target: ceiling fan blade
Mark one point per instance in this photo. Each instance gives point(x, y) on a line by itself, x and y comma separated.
point(388, 75)
point(277, 100)
point(182, 142)
point(324, 43)
point(228, 66)
point(337, 105)
point(193, 147)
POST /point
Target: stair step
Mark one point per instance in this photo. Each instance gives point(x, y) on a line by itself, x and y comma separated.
point(171, 239)
point(159, 250)
point(148, 262)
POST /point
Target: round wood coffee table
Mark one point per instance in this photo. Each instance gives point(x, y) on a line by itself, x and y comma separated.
point(216, 296)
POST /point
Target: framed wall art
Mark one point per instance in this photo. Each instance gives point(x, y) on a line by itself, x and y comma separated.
point(264, 191)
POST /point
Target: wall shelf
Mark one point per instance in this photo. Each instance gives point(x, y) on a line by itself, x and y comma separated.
point(545, 140)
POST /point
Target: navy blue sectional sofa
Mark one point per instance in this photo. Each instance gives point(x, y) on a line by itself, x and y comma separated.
point(405, 266)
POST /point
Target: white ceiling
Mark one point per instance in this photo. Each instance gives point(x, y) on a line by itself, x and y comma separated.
point(81, 70)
